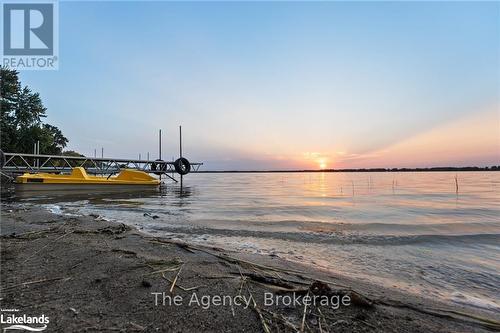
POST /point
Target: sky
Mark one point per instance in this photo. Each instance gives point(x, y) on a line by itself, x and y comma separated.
point(279, 85)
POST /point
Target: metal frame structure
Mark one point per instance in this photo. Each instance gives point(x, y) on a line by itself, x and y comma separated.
point(19, 163)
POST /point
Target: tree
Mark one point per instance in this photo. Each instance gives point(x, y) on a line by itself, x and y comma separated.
point(21, 119)
point(72, 153)
point(55, 140)
point(9, 87)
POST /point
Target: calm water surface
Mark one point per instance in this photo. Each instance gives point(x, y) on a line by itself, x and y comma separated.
point(408, 230)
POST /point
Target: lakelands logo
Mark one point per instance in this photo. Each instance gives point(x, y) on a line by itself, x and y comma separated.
point(13, 321)
point(30, 35)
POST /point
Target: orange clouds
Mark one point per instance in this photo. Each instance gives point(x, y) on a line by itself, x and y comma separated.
point(472, 140)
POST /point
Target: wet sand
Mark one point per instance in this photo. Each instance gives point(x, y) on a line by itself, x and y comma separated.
point(90, 275)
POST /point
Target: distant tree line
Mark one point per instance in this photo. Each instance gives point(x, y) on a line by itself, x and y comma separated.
point(431, 169)
point(21, 119)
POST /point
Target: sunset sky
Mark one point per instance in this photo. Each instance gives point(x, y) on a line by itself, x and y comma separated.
point(280, 85)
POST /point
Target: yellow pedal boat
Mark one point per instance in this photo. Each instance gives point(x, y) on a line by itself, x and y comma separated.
point(79, 178)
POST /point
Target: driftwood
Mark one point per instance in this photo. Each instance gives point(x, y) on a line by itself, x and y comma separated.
point(109, 230)
point(23, 284)
point(33, 234)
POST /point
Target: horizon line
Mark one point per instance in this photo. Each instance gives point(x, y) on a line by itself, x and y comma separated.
point(422, 169)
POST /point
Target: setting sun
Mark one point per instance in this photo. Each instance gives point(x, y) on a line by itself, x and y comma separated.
point(322, 164)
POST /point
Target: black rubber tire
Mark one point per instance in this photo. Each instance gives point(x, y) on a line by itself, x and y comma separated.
point(2, 159)
point(182, 166)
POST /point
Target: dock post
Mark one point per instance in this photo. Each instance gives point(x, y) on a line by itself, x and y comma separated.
point(180, 141)
point(159, 149)
point(38, 153)
point(180, 149)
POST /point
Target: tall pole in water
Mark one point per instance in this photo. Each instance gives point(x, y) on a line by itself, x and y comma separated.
point(34, 153)
point(180, 141)
point(102, 156)
point(38, 153)
point(180, 148)
point(159, 145)
point(159, 149)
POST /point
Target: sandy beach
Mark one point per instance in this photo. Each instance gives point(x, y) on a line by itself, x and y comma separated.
point(87, 275)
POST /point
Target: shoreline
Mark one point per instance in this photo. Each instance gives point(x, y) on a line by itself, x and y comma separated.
point(88, 274)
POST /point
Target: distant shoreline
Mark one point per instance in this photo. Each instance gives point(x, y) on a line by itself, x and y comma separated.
point(433, 169)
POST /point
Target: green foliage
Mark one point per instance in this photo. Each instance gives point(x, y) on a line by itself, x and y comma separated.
point(72, 153)
point(21, 119)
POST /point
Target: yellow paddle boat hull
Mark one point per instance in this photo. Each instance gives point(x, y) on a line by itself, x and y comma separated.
point(80, 179)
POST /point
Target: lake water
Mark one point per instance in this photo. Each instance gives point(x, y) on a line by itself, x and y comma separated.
point(409, 230)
